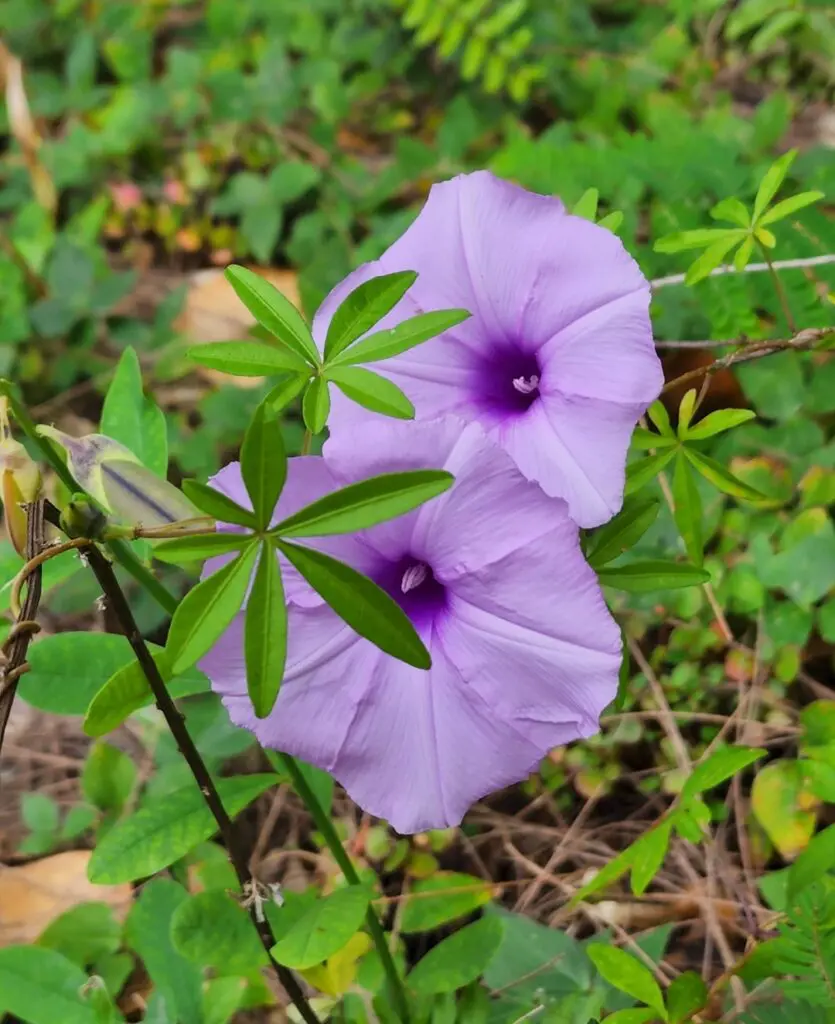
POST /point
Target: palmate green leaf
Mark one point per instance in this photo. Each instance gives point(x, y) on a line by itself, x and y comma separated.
point(385, 344)
point(771, 182)
point(212, 930)
point(364, 504)
point(586, 205)
point(184, 550)
point(660, 418)
point(698, 239)
point(686, 995)
point(732, 209)
point(685, 411)
point(265, 634)
point(216, 504)
point(285, 392)
point(163, 831)
point(642, 438)
point(722, 478)
point(786, 207)
point(743, 254)
point(622, 532)
point(719, 767)
point(316, 405)
point(274, 312)
point(712, 257)
point(366, 306)
point(372, 391)
point(366, 608)
point(458, 960)
point(765, 237)
point(640, 472)
point(127, 690)
point(645, 577)
point(717, 422)
point(627, 974)
point(324, 929)
point(263, 463)
point(206, 611)
point(248, 358)
point(40, 986)
point(612, 221)
point(687, 509)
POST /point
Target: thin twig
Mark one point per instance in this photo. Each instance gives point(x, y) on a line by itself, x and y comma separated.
point(751, 268)
point(118, 604)
point(758, 350)
point(17, 642)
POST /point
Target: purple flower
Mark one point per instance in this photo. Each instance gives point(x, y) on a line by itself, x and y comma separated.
point(525, 655)
point(557, 361)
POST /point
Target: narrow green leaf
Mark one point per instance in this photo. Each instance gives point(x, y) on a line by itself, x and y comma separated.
point(586, 205)
point(183, 550)
point(263, 463)
point(648, 855)
point(163, 831)
point(627, 975)
point(372, 391)
point(364, 504)
point(644, 577)
point(132, 419)
point(788, 206)
point(640, 472)
point(324, 929)
point(698, 239)
point(660, 418)
point(765, 237)
point(622, 532)
point(711, 258)
point(459, 959)
point(742, 256)
point(316, 405)
point(108, 777)
point(612, 221)
point(385, 344)
point(364, 307)
point(632, 1015)
point(127, 690)
point(274, 312)
point(717, 422)
point(206, 611)
point(216, 504)
point(687, 509)
point(247, 358)
point(285, 392)
point(722, 478)
point(265, 634)
point(719, 767)
point(686, 410)
point(366, 608)
point(642, 438)
point(732, 209)
point(686, 995)
point(772, 180)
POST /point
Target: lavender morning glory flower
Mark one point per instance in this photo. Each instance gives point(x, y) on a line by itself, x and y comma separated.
point(525, 654)
point(557, 361)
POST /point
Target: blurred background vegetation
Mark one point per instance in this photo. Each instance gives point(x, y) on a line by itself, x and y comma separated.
point(145, 145)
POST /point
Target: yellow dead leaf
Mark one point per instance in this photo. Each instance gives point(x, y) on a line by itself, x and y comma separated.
point(34, 894)
point(213, 312)
point(784, 806)
point(336, 975)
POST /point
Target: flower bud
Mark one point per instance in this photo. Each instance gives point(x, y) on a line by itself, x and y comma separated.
point(114, 476)
point(20, 484)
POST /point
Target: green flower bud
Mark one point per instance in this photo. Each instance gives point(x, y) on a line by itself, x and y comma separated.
point(114, 476)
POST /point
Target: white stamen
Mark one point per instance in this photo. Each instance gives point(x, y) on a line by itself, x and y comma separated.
point(413, 577)
point(526, 385)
